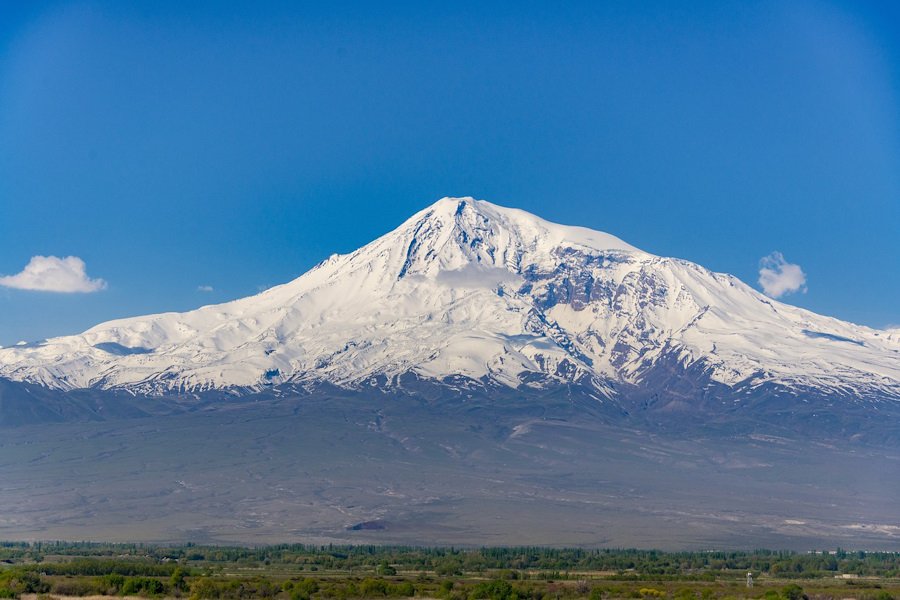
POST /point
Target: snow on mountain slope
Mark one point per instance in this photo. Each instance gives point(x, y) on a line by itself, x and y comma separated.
point(467, 288)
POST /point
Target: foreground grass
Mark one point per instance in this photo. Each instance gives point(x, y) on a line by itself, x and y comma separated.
point(296, 572)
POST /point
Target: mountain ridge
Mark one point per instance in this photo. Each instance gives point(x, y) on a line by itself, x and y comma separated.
point(468, 289)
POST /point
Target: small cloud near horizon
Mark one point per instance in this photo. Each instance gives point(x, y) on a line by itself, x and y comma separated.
point(66, 275)
point(779, 277)
point(205, 288)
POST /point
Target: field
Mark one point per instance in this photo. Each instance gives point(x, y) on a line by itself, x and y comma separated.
point(297, 572)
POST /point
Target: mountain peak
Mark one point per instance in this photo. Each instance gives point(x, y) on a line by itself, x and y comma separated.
point(454, 232)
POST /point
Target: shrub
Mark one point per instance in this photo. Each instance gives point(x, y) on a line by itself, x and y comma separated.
point(204, 589)
point(373, 587)
point(16, 583)
point(302, 590)
point(145, 586)
point(793, 592)
point(74, 587)
point(111, 584)
point(404, 590)
point(493, 590)
point(685, 594)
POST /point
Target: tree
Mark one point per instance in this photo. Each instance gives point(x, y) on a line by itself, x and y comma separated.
point(177, 580)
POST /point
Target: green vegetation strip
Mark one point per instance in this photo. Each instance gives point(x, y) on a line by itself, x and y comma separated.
point(302, 572)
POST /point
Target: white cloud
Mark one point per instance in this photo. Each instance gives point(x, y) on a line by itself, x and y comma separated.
point(779, 277)
point(53, 274)
point(205, 288)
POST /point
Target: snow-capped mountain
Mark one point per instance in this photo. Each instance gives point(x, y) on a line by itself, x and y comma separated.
point(469, 291)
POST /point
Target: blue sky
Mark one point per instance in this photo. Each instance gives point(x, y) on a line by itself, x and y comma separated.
point(170, 146)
